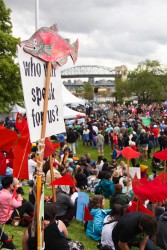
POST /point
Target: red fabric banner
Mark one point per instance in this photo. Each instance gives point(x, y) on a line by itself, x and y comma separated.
point(64, 180)
point(20, 163)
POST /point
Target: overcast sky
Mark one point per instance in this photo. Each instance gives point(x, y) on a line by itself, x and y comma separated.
point(110, 32)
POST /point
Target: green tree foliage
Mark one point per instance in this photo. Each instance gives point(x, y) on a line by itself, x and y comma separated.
point(88, 91)
point(148, 81)
point(121, 89)
point(10, 84)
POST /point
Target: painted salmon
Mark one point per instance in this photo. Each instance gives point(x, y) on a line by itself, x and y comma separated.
point(48, 45)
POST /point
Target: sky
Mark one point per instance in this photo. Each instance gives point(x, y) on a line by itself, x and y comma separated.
point(110, 32)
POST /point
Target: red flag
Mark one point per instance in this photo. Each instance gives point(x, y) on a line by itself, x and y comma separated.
point(56, 145)
point(162, 178)
point(87, 214)
point(21, 124)
point(49, 150)
point(162, 155)
point(2, 164)
point(8, 138)
point(129, 153)
point(20, 163)
point(140, 207)
point(64, 180)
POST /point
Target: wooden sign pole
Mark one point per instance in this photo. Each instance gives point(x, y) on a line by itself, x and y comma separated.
point(42, 147)
point(52, 178)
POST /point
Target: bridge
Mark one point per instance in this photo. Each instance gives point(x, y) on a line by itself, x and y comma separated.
point(90, 72)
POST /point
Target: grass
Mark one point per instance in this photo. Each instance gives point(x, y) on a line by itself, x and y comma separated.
point(76, 229)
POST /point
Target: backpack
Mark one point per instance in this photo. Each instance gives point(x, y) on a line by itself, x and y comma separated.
point(92, 184)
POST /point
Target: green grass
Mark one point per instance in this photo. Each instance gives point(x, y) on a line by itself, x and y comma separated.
point(76, 229)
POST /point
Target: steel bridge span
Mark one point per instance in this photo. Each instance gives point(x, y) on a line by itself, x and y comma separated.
point(90, 71)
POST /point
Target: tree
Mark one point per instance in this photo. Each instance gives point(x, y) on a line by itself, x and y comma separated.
point(10, 84)
point(148, 81)
point(121, 89)
point(88, 91)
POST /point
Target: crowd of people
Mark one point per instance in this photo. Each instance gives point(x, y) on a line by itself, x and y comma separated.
point(128, 221)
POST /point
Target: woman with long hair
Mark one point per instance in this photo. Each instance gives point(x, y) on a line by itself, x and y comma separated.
point(96, 207)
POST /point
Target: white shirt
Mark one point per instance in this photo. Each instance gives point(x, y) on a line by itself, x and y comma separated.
point(95, 129)
point(106, 236)
point(31, 168)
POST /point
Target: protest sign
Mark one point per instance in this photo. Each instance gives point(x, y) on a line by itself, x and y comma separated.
point(33, 75)
point(133, 171)
point(146, 121)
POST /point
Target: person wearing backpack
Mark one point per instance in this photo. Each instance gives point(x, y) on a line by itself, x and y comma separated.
point(109, 223)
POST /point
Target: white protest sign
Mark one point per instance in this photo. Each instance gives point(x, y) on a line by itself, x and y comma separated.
point(133, 171)
point(33, 75)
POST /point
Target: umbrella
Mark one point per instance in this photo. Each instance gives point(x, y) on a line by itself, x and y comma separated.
point(162, 155)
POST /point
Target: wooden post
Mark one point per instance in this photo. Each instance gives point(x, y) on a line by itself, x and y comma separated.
point(42, 147)
point(52, 177)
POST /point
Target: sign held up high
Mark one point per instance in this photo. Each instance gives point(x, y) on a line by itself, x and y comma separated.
point(33, 74)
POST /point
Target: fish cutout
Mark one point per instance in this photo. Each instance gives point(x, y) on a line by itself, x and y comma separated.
point(48, 45)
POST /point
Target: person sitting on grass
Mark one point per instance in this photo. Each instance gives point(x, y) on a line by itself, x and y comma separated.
point(12, 206)
point(106, 186)
point(96, 207)
point(55, 233)
point(7, 243)
point(110, 222)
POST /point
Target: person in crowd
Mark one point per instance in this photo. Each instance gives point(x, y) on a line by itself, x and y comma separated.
point(100, 143)
point(71, 140)
point(55, 233)
point(115, 140)
point(7, 243)
point(96, 207)
point(109, 223)
point(144, 144)
point(115, 176)
point(106, 186)
point(99, 163)
point(130, 230)
point(64, 205)
point(127, 187)
point(86, 132)
point(64, 156)
point(12, 206)
point(9, 172)
point(76, 139)
point(161, 140)
point(119, 197)
point(162, 232)
point(155, 131)
point(153, 175)
point(56, 174)
point(92, 137)
point(31, 166)
point(92, 181)
point(111, 135)
point(81, 178)
point(120, 141)
point(150, 143)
